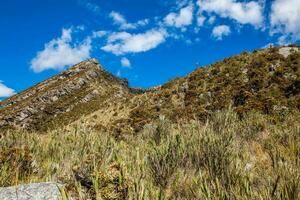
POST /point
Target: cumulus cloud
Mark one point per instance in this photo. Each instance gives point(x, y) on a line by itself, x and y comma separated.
point(6, 91)
point(181, 19)
point(125, 62)
point(285, 18)
point(61, 52)
point(220, 31)
point(243, 12)
point(124, 42)
point(122, 22)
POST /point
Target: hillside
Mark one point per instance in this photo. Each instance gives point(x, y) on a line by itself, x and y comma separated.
point(226, 131)
point(266, 80)
point(63, 98)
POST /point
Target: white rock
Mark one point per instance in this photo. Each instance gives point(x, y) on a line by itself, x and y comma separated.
point(286, 51)
point(34, 191)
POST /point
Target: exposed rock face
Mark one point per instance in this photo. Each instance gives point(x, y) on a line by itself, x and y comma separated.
point(34, 191)
point(286, 51)
point(59, 94)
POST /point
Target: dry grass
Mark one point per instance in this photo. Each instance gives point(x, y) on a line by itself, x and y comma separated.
point(257, 157)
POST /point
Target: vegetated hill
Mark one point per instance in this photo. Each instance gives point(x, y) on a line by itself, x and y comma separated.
point(266, 80)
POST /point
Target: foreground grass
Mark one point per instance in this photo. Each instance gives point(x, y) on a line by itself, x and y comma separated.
point(257, 157)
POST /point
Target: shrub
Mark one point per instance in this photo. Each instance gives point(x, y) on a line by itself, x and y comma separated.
point(164, 160)
point(15, 163)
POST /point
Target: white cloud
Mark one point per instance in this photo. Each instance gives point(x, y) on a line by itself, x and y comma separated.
point(122, 22)
point(123, 42)
point(212, 19)
point(181, 19)
point(125, 62)
point(285, 18)
point(60, 52)
point(99, 34)
point(182, 3)
point(243, 12)
point(118, 36)
point(220, 31)
point(200, 20)
point(6, 91)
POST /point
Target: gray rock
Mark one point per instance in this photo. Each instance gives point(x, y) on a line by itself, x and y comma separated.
point(34, 191)
point(54, 98)
point(28, 106)
point(23, 115)
point(90, 96)
point(92, 74)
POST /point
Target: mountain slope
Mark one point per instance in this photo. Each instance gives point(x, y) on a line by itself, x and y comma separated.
point(266, 80)
point(62, 98)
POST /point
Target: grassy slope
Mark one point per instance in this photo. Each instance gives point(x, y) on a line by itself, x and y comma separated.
point(264, 81)
point(253, 158)
point(184, 146)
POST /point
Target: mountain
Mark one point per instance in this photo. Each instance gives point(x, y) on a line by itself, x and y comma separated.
point(266, 80)
point(65, 97)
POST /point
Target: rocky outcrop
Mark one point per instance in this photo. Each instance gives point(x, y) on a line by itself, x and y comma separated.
point(286, 51)
point(34, 191)
point(59, 94)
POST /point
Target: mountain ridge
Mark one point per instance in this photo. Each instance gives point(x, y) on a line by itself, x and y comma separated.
point(266, 80)
point(74, 84)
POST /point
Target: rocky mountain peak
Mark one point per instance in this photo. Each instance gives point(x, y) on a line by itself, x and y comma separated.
point(57, 95)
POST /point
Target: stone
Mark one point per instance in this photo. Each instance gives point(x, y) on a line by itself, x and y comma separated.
point(34, 191)
point(286, 51)
point(81, 82)
point(92, 74)
point(23, 115)
point(90, 96)
point(54, 98)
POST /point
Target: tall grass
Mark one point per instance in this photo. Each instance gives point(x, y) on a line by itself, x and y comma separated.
point(256, 157)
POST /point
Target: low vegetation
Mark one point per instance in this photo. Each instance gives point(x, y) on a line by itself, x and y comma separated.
point(255, 156)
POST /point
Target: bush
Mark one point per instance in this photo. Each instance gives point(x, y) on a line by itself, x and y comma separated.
point(15, 163)
point(164, 161)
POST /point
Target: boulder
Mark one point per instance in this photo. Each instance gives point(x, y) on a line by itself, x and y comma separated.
point(34, 191)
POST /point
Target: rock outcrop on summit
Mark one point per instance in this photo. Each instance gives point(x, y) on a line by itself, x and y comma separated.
point(61, 94)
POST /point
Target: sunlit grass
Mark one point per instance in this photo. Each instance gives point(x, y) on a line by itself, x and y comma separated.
point(257, 157)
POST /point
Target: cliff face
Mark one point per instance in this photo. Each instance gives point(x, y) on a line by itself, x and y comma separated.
point(267, 81)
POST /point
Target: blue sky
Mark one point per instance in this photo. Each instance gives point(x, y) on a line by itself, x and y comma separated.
point(149, 42)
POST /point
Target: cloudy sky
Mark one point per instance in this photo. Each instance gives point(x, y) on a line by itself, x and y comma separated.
point(146, 41)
